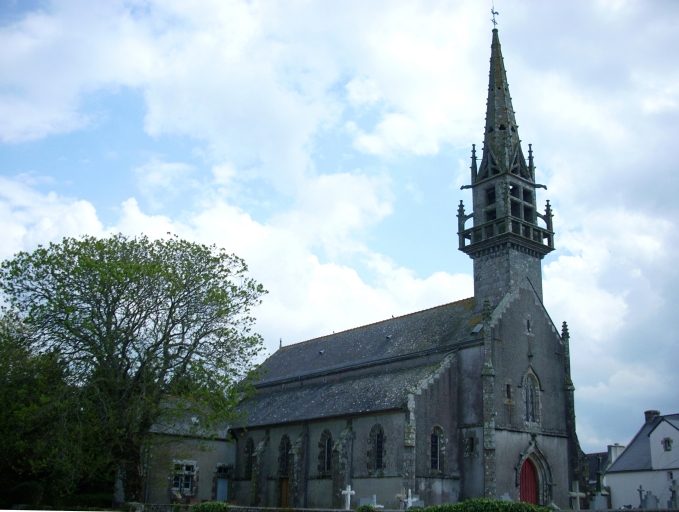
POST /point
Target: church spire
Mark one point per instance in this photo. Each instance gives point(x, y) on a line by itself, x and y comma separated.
point(502, 147)
point(509, 235)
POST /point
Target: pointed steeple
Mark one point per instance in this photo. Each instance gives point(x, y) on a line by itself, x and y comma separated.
point(509, 235)
point(502, 146)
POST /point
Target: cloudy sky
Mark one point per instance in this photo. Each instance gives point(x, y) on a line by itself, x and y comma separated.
point(326, 143)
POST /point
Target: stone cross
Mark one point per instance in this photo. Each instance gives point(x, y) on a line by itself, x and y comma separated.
point(640, 490)
point(599, 482)
point(576, 495)
point(347, 497)
point(409, 500)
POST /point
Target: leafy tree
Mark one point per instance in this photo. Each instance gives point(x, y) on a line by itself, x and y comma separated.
point(150, 333)
point(43, 424)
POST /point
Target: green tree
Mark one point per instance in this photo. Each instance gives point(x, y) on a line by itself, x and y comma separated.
point(43, 423)
point(150, 332)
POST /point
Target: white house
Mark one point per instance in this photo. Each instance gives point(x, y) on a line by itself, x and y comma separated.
point(649, 464)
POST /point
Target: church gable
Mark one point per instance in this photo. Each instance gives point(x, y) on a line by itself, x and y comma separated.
point(529, 364)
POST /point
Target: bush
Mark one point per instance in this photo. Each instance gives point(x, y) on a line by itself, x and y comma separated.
point(211, 506)
point(486, 505)
point(365, 508)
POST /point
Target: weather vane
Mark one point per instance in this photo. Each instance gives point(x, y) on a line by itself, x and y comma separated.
point(494, 13)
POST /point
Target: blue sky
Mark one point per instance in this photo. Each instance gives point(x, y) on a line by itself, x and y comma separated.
point(326, 143)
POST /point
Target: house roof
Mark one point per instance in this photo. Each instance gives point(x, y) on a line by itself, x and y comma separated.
point(401, 336)
point(637, 455)
point(434, 332)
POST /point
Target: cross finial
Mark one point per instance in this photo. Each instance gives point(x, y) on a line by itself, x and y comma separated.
point(494, 13)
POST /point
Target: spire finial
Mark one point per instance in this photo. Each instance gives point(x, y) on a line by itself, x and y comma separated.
point(494, 13)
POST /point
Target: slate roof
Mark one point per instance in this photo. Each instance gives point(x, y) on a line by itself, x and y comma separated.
point(436, 327)
point(637, 455)
point(437, 330)
point(369, 393)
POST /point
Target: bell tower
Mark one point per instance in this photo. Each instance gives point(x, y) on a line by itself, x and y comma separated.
point(508, 237)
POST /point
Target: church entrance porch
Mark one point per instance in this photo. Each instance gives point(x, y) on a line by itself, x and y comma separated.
point(528, 484)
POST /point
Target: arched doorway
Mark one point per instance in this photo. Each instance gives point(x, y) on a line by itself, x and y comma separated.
point(528, 483)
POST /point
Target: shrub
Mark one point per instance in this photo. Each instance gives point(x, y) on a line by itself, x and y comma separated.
point(365, 508)
point(486, 505)
point(211, 506)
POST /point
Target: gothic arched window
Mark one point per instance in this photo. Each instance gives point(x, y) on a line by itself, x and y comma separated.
point(531, 399)
point(284, 456)
point(325, 453)
point(249, 454)
point(436, 449)
point(376, 448)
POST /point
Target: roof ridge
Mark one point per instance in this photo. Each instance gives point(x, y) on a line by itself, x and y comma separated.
point(374, 323)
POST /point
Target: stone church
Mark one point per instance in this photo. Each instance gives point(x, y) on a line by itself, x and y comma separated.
point(468, 399)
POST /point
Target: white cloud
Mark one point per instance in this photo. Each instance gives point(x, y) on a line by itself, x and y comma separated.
point(363, 91)
point(159, 180)
point(28, 218)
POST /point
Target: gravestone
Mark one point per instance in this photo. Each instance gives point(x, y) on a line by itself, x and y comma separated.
point(674, 500)
point(598, 502)
point(409, 500)
point(348, 493)
point(649, 501)
point(575, 495)
point(369, 501)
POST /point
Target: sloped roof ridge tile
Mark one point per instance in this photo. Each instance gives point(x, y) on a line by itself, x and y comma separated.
point(377, 323)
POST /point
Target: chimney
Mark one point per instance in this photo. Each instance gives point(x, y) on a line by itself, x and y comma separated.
point(614, 451)
point(650, 415)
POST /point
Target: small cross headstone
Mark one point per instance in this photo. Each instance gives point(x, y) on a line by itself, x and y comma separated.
point(575, 495)
point(348, 493)
point(640, 490)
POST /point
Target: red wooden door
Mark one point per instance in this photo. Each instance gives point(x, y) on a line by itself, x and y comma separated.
point(528, 486)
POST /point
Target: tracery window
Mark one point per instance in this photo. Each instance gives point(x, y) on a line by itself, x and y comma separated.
point(249, 454)
point(284, 456)
point(531, 399)
point(325, 454)
point(436, 449)
point(376, 448)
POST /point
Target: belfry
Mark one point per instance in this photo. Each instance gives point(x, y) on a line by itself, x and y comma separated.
point(508, 237)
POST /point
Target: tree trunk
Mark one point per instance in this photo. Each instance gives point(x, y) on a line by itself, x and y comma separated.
point(133, 475)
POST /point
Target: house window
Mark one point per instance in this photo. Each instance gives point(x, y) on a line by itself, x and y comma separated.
point(436, 449)
point(183, 479)
point(325, 454)
point(531, 399)
point(667, 444)
point(376, 448)
point(284, 456)
point(249, 454)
